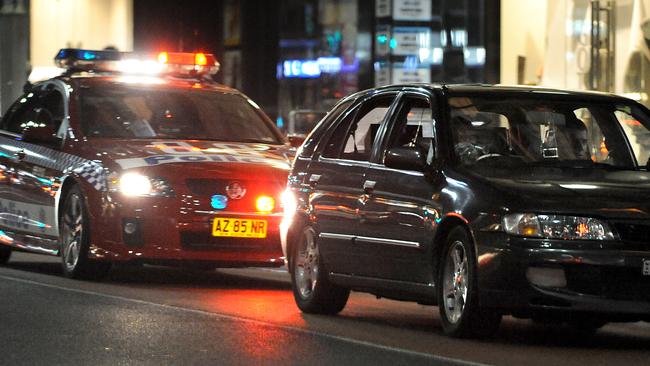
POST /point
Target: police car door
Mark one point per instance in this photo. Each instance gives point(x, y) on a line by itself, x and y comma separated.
point(27, 201)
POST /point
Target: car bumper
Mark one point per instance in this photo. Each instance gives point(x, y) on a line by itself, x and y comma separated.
point(527, 277)
point(163, 232)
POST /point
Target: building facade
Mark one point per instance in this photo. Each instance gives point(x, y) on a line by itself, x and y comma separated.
point(331, 48)
point(578, 44)
point(14, 50)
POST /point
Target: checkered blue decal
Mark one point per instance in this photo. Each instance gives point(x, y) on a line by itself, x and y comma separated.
point(93, 173)
point(89, 170)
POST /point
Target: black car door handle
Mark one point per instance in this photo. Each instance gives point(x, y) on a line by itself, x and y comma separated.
point(20, 155)
point(369, 186)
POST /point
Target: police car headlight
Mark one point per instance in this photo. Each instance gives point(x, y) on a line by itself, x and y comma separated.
point(558, 227)
point(136, 184)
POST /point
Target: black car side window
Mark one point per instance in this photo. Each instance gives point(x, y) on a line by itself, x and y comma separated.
point(414, 127)
point(312, 139)
point(355, 135)
point(36, 108)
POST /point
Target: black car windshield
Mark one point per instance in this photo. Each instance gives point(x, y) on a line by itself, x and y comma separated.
point(145, 113)
point(550, 132)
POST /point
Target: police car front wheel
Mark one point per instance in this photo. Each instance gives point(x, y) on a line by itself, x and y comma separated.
point(74, 239)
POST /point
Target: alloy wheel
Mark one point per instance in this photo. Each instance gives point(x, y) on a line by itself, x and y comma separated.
point(306, 270)
point(455, 282)
point(72, 230)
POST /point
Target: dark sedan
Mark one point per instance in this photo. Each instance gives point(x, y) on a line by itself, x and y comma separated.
point(484, 200)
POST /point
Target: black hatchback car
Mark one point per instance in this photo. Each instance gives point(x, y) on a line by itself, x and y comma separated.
point(484, 200)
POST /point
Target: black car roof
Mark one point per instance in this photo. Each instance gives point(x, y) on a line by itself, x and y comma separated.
point(497, 89)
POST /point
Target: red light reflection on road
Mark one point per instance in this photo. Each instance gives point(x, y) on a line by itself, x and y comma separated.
point(273, 306)
point(268, 306)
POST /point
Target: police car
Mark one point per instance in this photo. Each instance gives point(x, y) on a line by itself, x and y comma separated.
point(126, 157)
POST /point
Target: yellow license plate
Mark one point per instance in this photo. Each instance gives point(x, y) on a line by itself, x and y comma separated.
point(239, 228)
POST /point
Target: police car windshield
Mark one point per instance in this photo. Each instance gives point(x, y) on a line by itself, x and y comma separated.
point(145, 113)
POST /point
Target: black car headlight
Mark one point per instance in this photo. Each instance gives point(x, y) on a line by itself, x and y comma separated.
point(136, 184)
point(557, 227)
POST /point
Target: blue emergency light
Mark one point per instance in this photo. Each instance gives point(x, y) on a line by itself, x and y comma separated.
point(67, 56)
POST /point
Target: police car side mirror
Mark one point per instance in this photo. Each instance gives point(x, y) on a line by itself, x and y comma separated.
point(405, 158)
point(41, 135)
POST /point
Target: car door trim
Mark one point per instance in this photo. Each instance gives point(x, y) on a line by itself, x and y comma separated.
point(336, 236)
point(371, 240)
point(385, 168)
point(346, 162)
point(395, 242)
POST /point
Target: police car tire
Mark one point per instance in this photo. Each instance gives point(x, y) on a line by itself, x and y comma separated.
point(472, 321)
point(5, 254)
point(84, 268)
point(324, 297)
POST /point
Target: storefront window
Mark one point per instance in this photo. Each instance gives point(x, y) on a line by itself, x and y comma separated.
point(429, 41)
point(333, 48)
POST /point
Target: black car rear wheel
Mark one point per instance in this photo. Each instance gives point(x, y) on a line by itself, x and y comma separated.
point(5, 254)
point(460, 313)
point(74, 239)
point(312, 289)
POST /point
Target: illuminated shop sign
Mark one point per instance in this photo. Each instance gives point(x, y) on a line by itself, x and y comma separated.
point(474, 56)
point(412, 10)
point(310, 68)
point(410, 71)
point(300, 69)
point(411, 40)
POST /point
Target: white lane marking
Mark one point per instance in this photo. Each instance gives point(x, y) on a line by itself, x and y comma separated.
point(251, 321)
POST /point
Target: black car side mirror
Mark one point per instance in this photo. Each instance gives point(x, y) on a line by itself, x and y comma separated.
point(41, 135)
point(405, 158)
point(296, 140)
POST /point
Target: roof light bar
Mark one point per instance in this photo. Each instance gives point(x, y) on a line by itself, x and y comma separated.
point(176, 63)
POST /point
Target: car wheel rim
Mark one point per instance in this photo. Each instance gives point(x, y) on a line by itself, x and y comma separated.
point(455, 282)
point(307, 265)
point(72, 231)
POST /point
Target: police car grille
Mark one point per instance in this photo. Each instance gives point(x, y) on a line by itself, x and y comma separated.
point(206, 187)
point(209, 187)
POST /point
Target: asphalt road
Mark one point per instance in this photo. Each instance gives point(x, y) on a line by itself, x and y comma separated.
point(163, 316)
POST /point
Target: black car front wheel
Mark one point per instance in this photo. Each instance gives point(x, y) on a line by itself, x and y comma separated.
point(312, 289)
point(74, 239)
point(460, 313)
point(5, 254)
